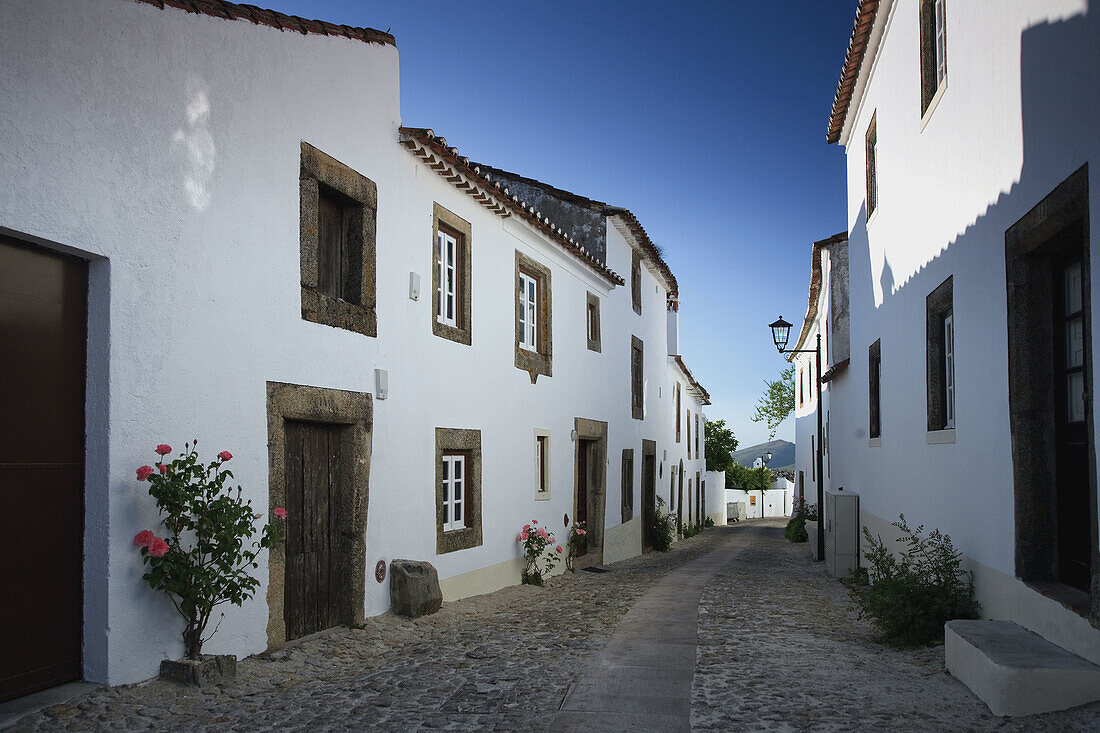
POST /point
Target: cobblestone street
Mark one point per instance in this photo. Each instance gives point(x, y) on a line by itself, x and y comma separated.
point(772, 632)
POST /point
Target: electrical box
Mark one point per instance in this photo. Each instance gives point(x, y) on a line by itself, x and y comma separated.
point(841, 533)
point(414, 286)
point(381, 384)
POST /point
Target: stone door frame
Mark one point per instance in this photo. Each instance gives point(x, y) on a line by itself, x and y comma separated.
point(595, 431)
point(336, 407)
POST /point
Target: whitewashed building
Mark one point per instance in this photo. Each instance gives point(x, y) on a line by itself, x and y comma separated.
point(202, 240)
point(971, 140)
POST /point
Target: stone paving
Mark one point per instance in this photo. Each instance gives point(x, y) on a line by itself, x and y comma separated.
point(779, 648)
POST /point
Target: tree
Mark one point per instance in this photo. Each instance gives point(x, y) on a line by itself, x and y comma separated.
point(750, 479)
point(777, 403)
point(720, 442)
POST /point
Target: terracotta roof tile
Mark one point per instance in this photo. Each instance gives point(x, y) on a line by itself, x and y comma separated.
point(704, 396)
point(274, 19)
point(853, 60)
point(815, 287)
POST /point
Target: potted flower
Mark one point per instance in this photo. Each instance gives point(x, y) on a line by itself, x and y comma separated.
point(207, 554)
point(538, 557)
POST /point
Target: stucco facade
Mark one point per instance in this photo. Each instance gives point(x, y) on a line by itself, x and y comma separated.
point(184, 193)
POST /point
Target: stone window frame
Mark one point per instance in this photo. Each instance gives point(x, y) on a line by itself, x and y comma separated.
point(467, 441)
point(871, 166)
point(627, 483)
point(931, 83)
point(687, 419)
point(697, 431)
point(592, 321)
point(938, 304)
point(449, 222)
point(540, 361)
point(318, 170)
point(636, 281)
point(637, 380)
point(874, 390)
point(333, 406)
point(543, 495)
point(677, 412)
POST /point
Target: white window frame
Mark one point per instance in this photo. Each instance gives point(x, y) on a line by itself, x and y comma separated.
point(939, 23)
point(529, 312)
point(446, 295)
point(949, 369)
point(542, 464)
point(454, 492)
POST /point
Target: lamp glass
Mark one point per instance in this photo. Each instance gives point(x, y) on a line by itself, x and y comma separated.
point(781, 333)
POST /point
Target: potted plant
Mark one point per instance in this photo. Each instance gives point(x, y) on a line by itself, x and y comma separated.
point(538, 559)
point(207, 554)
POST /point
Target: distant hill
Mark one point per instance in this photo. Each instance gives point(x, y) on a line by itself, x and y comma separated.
point(782, 454)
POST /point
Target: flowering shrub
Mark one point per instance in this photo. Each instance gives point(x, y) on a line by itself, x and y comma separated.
point(537, 542)
point(577, 535)
point(208, 553)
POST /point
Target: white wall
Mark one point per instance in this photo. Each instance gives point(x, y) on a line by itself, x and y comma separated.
point(185, 186)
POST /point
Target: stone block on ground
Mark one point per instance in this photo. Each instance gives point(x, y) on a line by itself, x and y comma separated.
point(211, 669)
point(1017, 672)
point(414, 588)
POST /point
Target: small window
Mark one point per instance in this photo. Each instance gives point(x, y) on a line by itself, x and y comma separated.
point(801, 387)
point(688, 412)
point(940, 351)
point(874, 374)
point(697, 431)
point(636, 282)
point(628, 485)
point(528, 312)
point(446, 305)
point(677, 412)
point(637, 382)
point(933, 52)
point(339, 252)
point(813, 459)
point(592, 319)
point(542, 464)
point(451, 276)
point(872, 166)
point(454, 491)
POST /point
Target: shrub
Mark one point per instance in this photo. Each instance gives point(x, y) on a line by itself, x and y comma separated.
point(576, 534)
point(796, 525)
point(662, 527)
point(708, 522)
point(688, 530)
point(911, 596)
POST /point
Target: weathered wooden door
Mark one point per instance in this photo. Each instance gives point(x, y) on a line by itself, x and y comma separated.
point(584, 447)
point(312, 542)
point(649, 499)
point(43, 316)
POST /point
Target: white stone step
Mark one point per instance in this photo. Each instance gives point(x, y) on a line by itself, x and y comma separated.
point(1017, 672)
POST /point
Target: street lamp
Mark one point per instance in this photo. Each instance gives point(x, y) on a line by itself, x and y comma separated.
point(764, 464)
point(781, 333)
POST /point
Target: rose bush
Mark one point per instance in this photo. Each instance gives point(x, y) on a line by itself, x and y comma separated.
point(577, 534)
point(208, 553)
point(538, 557)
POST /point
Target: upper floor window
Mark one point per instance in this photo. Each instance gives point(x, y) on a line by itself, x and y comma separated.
point(637, 383)
point(697, 435)
point(688, 417)
point(678, 412)
point(636, 282)
point(940, 352)
point(801, 386)
point(933, 50)
point(528, 312)
point(451, 276)
point(872, 166)
point(533, 317)
point(874, 375)
point(592, 319)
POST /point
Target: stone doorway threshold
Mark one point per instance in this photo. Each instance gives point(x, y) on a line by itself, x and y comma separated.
point(12, 710)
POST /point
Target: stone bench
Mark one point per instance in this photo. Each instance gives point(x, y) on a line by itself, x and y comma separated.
point(1017, 672)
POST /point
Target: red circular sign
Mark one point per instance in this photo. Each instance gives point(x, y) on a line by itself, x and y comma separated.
point(380, 571)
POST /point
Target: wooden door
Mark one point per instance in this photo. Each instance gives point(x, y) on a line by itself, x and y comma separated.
point(43, 314)
point(680, 499)
point(649, 499)
point(312, 551)
point(1072, 412)
point(584, 447)
point(698, 501)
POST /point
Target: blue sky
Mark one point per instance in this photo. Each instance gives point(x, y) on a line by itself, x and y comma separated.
point(706, 119)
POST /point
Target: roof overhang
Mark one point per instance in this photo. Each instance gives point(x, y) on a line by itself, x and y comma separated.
point(867, 32)
point(694, 387)
point(628, 225)
point(815, 289)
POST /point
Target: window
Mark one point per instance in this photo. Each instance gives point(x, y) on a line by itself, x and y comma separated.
point(636, 282)
point(451, 276)
point(637, 383)
point(528, 312)
point(801, 387)
point(697, 435)
point(533, 317)
point(872, 163)
point(689, 433)
point(813, 459)
point(457, 489)
point(542, 464)
point(592, 321)
point(940, 352)
point(337, 228)
point(628, 485)
point(933, 50)
point(874, 369)
point(677, 412)
point(454, 489)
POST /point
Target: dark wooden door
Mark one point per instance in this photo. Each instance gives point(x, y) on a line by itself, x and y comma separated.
point(584, 447)
point(1072, 411)
point(680, 498)
point(698, 501)
point(649, 499)
point(312, 552)
point(43, 315)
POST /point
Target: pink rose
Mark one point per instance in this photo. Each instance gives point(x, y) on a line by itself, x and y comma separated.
point(524, 536)
point(144, 538)
point(534, 521)
point(542, 533)
point(581, 531)
point(526, 527)
point(280, 513)
point(163, 468)
point(144, 472)
point(163, 449)
point(558, 548)
point(519, 537)
point(158, 547)
point(225, 455)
